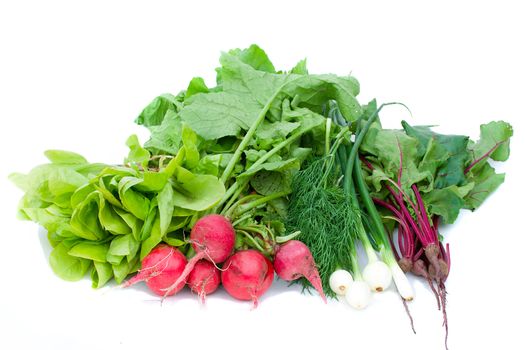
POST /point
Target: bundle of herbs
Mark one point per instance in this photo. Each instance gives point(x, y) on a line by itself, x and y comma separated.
point(268, 168)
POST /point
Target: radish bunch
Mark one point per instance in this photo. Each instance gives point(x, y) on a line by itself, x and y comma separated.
point(245, 274)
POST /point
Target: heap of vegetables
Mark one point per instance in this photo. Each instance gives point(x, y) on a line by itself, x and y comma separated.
point(267, 171)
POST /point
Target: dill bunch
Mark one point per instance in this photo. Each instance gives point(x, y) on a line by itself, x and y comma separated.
point(327, 220)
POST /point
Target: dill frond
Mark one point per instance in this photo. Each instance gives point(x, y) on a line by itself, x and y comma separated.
point(324, 215)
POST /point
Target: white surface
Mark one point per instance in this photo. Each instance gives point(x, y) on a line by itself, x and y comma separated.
point(73, 75)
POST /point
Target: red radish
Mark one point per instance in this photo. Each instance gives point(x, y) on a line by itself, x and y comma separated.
point(269, 276)
point(294, 260)
point(204, 279)
point(212, 238)
point(247, 275)
point(160, 268)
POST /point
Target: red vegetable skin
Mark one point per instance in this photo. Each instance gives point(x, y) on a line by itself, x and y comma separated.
point(160, 268)
point(294, 260)
point(269, 275)
point(212, 238)
point(204, 279)
point(247, 275)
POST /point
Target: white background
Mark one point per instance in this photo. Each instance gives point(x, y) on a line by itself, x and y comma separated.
point(74, 75)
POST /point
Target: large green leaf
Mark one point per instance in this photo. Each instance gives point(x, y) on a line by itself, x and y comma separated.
point(255, 57)
point(444, 202)
point(122, 270)
point(219, 114)
point(85, 219)
point(166, 138)
point(64, 157)
point(124, 246)
point(152, 181)
point(110, 220)
point(65, 266)
point(81, 194)
point(154, 238)
point(246, 90)
point(196, 191)
point(196, 86)
point(189, 140)
point(485, 182)
point(131, 220)
point(268, 182)
point(137, 154)
point(450, 172)
point(209, 164)
point(101, 274)
point(52, 217)
point(494, 142)
point(133, 201)
point(145, 230)
point(54, 183)
point(393, 147)
point(166, 201)
point(154, 113)
point(108, 187)
point(90, 250)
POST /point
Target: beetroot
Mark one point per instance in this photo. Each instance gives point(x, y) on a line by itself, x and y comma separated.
point(247, 275)
point(212, 238)
point(294, 260)
point(204, 279)
point(160, 268)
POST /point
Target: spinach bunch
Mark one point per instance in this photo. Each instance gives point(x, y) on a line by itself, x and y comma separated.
point(108, 218)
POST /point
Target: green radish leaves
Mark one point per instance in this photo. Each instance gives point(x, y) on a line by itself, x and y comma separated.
point(248, 81)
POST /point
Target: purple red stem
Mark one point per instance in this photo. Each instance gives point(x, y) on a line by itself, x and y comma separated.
point(467, 169)
point(407, 248)
point(428, 233)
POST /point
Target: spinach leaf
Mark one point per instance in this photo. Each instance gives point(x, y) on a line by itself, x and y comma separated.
point(101, 274)
point(90, 250)
point(85, 219)
point(196, 191)
point(154, 112)
point(66, 266)
point(64, 157)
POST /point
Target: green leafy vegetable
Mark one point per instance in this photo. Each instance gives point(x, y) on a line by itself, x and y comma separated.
point(272, 150)
point(66, 266)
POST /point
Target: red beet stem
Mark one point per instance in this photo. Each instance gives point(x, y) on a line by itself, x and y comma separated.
point(366, 162)
point(404, 235)
point(404, 210)
point(467, 169)
point(428, 231)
